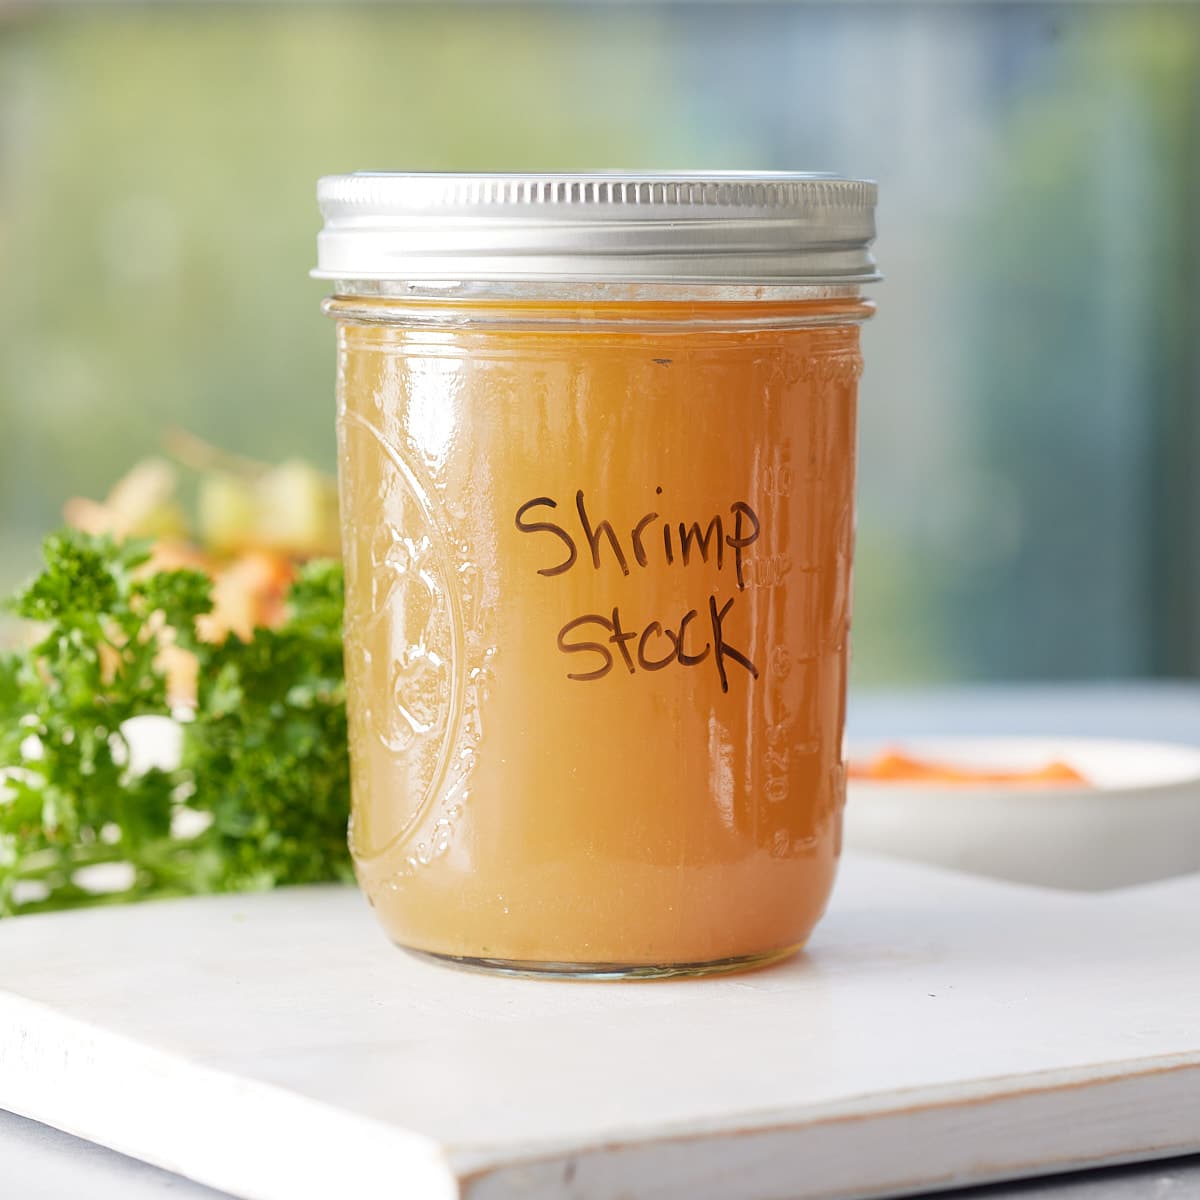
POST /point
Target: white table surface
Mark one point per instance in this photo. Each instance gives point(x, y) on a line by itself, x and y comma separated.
point(41, 1164)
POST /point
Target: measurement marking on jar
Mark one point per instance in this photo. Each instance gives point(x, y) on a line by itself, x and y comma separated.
point(777, 480)
point(767, 571)
point(776, 757)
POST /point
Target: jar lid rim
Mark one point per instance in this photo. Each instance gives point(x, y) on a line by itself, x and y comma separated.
point(772, 227)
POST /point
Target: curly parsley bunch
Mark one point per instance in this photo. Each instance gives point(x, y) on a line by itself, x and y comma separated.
point(257, 794)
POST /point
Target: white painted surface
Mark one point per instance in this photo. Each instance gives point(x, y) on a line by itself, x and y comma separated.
point(1137, 820)
point(941, 1030)
point(40, 1163)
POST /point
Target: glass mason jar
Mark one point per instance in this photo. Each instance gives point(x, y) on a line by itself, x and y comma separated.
point(596, 438)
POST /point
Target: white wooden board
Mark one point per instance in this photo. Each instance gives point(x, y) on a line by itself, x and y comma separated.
point(940, 1030)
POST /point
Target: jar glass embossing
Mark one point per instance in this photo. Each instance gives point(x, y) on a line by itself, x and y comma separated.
point(596, 458)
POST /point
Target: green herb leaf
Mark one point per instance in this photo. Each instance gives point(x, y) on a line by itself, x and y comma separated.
point(263, 780)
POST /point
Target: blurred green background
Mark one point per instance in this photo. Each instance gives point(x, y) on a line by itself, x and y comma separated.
point(1028, 502)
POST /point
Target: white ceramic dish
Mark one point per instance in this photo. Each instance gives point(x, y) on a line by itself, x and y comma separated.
point(1139, 821)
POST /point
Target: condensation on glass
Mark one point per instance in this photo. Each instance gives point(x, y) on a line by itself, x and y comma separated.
point(596, 440)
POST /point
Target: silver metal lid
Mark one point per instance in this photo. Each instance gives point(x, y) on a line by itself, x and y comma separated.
point(775, 228)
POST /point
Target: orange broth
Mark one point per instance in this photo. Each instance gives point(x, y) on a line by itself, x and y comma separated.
point(598, 583)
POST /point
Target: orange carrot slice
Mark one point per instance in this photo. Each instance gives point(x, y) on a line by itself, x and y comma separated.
point(895, 766)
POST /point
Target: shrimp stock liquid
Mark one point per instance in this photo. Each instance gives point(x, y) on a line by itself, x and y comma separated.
point(598, 566)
